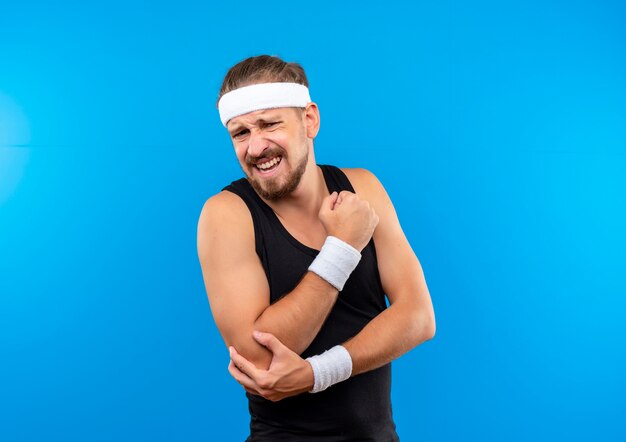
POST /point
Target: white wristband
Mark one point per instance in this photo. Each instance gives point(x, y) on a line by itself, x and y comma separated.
point(335, 262)
point(331, 367)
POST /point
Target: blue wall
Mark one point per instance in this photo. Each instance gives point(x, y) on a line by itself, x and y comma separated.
point(498, 130)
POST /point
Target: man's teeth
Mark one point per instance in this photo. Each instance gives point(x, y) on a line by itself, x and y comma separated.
point(269, 164)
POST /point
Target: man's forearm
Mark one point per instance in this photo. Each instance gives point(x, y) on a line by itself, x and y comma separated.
point(389, 335)
point(297, 317)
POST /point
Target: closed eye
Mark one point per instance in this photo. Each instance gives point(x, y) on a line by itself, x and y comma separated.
point(241, 133)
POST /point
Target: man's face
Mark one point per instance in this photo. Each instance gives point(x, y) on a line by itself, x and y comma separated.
point(272, 149)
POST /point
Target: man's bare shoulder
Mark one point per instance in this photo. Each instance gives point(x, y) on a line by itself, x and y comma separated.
point(223, 204)
point(365, 183)
point(224, 213)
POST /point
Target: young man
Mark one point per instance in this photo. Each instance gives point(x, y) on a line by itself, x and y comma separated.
point(297, 260)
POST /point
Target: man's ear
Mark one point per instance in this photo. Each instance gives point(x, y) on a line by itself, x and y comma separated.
point(311, 120)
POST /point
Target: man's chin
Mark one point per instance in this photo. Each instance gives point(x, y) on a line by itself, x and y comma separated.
point(275, 188)
point(268, 190)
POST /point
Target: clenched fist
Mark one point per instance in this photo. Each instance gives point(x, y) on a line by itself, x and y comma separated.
point(349, 218)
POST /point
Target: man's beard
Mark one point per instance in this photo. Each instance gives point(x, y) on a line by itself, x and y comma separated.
point(272, 190)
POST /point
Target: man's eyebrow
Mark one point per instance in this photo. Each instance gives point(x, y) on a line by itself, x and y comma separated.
point(234, 128)
point(264, 119)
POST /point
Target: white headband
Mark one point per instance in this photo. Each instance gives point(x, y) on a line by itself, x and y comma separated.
point(262, 96)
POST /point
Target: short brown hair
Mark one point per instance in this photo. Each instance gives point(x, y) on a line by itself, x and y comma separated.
point(262, 69)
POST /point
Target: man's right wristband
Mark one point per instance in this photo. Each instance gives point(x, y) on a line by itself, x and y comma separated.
point(335, 262)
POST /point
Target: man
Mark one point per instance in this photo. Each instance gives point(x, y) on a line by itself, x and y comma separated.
point(297, 259)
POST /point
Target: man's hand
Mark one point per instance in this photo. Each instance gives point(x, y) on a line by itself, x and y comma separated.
point(288, 374)
point(349, 218)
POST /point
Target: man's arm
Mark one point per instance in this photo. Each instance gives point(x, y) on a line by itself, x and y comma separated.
point(237, 287)
point(407, 322)
point(410, 318)
point(238, 290)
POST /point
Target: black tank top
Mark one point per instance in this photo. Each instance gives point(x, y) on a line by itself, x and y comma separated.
point(358, 409)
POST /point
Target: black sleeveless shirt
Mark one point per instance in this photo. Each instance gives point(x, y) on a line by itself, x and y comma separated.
point(358, 409)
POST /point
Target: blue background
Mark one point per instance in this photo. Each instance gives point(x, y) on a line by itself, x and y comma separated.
point(498, 130)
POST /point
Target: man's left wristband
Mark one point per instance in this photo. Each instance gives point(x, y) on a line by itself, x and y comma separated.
point(331, 367)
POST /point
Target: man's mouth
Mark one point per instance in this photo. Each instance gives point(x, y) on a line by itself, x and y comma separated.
point(267, 165)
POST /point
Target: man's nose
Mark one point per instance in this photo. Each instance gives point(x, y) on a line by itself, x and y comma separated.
point(256, 144)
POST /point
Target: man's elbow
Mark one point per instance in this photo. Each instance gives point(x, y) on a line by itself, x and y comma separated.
point(430, 327)
point(253, 352)
point(424, 326)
